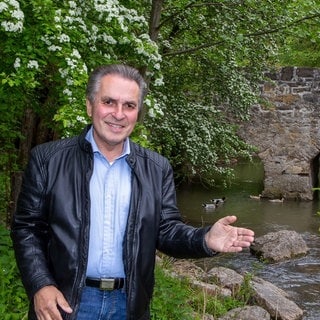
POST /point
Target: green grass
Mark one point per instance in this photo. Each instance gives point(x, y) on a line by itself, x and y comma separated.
point(175, 299)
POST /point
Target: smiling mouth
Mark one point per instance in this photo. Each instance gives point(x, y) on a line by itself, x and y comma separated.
point(116, 126)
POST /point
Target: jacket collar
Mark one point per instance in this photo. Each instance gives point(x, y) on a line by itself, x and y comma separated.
point(86, 146)
point(83, 142)
point(131, 158)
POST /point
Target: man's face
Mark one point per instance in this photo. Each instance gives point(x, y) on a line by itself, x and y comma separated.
point(115, 111)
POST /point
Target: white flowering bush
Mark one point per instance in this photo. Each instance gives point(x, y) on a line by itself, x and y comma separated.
point(202, 60)
point(197, 139)
point(49, 49)
point(11, 16)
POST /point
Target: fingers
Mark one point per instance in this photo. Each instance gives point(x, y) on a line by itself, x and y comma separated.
point(63, 304)
point(245, 232)
point(242, 241)
point(46, 302)
point(240, 231)
point(228, 220)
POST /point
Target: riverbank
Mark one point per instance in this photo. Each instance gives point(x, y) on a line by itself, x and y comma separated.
point(256, 298)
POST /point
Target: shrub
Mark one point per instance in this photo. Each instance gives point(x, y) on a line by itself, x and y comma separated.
point(13, 299)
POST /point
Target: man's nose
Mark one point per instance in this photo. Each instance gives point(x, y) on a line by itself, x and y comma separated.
point(118, 111)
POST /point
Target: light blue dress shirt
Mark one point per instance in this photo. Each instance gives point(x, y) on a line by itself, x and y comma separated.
point(110, 190)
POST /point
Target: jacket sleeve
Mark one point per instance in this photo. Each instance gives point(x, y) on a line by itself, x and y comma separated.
point(175, 237)
point(29, 231)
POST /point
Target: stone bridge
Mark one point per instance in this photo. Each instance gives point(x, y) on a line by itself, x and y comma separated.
point(286, 131)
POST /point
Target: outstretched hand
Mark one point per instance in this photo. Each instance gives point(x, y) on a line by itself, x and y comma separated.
point(222, 237)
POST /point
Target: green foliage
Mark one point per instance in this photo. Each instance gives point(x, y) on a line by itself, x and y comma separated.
point(216, 306)
point(46, 60)
point(13, 300)
point(203, 61)
point(197, 140)
point(174, 298)
point(170, 298)
point(246, 292)
point(213, 58)
point(301, 44)
point(141, 135)
point(4, 190)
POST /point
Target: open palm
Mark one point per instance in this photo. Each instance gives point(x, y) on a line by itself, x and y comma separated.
point(223, 237)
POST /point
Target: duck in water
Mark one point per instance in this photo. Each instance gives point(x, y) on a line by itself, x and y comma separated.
point(209, 206)
point(218, 201)
point(276, 200)
point(255, 197)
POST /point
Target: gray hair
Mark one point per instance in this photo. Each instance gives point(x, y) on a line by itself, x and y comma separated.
point(122, 70)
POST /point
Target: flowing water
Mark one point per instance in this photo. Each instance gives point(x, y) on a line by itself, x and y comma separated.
point(300, 278)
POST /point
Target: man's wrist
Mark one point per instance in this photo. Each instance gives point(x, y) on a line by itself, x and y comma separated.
point(208, 251)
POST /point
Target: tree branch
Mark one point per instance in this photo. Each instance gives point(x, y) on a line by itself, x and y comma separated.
point(249, 35)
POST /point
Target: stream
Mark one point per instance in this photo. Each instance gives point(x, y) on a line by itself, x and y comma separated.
point(300, 278)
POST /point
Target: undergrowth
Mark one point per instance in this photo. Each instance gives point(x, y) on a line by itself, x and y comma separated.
point(175, 298)
point(13, 299)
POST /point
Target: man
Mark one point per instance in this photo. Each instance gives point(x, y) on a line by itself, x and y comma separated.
point(94, 209)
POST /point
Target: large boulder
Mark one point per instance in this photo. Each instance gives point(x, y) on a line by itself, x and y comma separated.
point(275, 301)
point(279, 246)
point(226, 278)
point(247, 313)
point(270, 300)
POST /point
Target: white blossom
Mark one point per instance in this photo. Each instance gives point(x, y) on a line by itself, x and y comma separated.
point(124, 40)
point(64, 38)
point(57, 17)
point(147, 102)
point(151, 113)
point(109, 39)
point(54, 48)
point(67, 92)
point(159, 82)
point(84, 68)
point(33, 64)
point(12, 27)
point(46, 40)
point(18, 14)
point(76, 54)
point(71, 63)
point(3, 6)
point(81, 119)
point(17, 63)
point(63, 72)
point(14, 23)
point(69, 82)
point(68, 19)
point(72, 4)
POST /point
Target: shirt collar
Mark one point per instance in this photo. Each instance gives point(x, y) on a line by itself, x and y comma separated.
point(90, 138)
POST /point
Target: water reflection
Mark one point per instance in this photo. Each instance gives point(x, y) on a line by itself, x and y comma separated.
point(300, 278)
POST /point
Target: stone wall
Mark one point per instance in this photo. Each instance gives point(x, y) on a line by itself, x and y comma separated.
point(286, 131)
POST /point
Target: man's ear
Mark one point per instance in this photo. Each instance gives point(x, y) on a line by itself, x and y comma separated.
point(89, 108)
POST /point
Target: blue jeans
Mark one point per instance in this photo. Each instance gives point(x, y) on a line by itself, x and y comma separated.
point(99, 304)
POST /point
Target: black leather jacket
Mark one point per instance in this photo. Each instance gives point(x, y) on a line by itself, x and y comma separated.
point(50, 229)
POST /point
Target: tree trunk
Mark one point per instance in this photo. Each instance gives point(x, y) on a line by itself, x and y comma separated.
point(154, 27)
point(155, 16)
point(34, 131)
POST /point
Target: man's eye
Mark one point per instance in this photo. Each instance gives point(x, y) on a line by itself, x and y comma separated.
point(107, 102)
